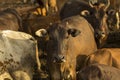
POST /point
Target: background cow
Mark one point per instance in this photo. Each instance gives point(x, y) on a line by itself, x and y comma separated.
point(10, 20)
point(113, 12)
point(67, 41)
point(93, 12)
point(99, 72)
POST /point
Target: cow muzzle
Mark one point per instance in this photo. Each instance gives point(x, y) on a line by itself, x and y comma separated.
point(100, 35)
point(59, 59)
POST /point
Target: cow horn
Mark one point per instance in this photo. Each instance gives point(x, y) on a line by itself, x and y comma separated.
point(41, 32)
point(91, 3)
point(107, 5)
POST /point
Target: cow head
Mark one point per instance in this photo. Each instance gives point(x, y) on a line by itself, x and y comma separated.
point(57, 48)
point(57, 39)
point(98, 21)
point(113, 19)
point(93, 11)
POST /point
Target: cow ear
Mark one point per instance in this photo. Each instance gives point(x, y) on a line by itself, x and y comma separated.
point(85, 13)
point(74, 32)
point(41, 33)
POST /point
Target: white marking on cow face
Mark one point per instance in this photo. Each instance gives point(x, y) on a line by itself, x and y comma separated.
point(41, 32)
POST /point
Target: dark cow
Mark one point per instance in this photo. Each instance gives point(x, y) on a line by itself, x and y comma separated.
point(18, 54)
point(113, 12)
point(113, 20)
point(10, 20)
point(68, 40)
point(93, 12)
point(99, 72)
point(106, 56)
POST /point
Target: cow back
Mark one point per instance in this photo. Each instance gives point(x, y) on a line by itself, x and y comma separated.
point(17, 52)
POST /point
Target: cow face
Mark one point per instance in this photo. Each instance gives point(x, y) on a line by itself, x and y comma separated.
point(57, 45)
point(113, 19)
point(98, 18)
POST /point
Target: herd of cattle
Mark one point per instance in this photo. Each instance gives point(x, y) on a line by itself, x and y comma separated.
point(65, 41)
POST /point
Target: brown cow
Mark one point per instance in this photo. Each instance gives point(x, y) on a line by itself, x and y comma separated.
point(10, 20)
point(67, 40)
point(93, 12)
point(99, 72)
point(107, 56)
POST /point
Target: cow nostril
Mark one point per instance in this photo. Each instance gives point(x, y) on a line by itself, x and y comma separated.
point(102, 33)
point(96, 35)
point(63, 57)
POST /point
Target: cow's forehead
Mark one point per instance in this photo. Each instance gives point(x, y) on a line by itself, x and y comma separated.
point(15, 34)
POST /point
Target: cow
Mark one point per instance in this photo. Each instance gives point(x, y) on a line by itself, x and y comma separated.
point(113, 20)
point(10, 20)
point(67, 41)
point(106, 56)
point(18, 54)
point(99, 72)
point(93, 12)
point(113, 13)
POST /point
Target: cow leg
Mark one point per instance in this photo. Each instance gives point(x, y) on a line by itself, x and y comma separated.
point(53, 6)
point(118, 20)
point(43, 12)
point(20, 75)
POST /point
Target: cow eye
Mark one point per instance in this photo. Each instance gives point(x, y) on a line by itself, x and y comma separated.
point(85, 13)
